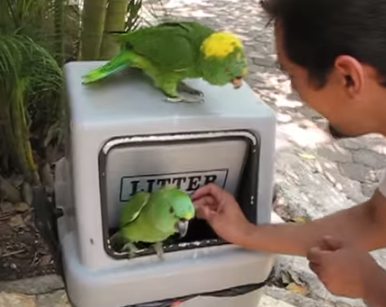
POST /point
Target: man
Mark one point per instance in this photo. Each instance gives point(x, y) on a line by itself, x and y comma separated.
point(334, 52)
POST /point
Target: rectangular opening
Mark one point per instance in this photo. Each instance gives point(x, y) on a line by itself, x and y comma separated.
point(128, 165)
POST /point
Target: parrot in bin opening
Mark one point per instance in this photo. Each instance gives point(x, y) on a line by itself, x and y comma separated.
point(173, 51)
point(154, 217)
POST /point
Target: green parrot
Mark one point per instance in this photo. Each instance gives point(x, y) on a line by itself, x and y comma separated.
point(173, 51)
point(154, 217)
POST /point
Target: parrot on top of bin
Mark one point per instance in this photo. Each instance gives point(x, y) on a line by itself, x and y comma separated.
point(173, 51)
point(154, 217)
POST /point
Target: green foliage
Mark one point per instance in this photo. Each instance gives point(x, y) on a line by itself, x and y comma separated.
point(31, 50)
point(50, 23)
point(133, 15)
point(36, 38)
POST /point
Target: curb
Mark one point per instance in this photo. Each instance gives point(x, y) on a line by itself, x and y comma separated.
point(34, 286)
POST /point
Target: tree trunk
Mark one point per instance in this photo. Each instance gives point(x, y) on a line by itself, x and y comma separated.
point(18, 132)
point(21, 133)
point(59, 31)
point(115, 21)
point(7, 138)
point(93, 21)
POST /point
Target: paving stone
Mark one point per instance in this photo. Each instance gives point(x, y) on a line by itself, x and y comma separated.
point(276, 296)
point(368, 189)
point(317, 291)
point(335, 153)
point(374, 142)
point(369, 158)
point(358, 172)
point(268, 301)
point(8, 299)
point(306, 190)
point(37, 285)
point(353, 144)
point(259, 61)
point(55, 299)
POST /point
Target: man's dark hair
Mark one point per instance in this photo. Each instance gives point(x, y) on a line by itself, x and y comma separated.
point(316, 32)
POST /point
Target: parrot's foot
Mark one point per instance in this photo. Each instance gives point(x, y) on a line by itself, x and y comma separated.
point(131, 248)
point(180, 99)
point(159, 250)
point(187, 89)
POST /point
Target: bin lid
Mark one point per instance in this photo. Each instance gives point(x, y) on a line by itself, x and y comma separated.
point(132, 97)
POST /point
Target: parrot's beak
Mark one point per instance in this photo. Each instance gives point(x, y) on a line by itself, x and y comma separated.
point(182, 227)
point(237, 82)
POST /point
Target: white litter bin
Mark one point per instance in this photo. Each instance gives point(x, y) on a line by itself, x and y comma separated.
point(123, 138)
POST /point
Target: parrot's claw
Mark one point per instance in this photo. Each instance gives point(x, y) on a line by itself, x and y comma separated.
point(131, 248)
point(173, 99)
point(180, 99)
point(159, 250)
point(186, 88)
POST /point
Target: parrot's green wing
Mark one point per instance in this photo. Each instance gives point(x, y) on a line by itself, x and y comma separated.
point(170, 46)
point(133, 208)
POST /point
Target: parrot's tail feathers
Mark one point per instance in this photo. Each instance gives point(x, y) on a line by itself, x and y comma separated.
point(122, 60)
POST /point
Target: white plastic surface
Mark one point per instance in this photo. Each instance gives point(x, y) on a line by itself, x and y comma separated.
point(148, 279)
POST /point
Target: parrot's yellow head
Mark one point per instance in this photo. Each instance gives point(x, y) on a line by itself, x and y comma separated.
point(223, 59)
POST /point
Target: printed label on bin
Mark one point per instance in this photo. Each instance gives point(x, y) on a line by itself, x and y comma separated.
point(186, 181)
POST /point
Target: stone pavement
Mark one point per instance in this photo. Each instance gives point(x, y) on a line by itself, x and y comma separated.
point(44, 291)
point(316, 175)
point(58, 298)
point(47, 291)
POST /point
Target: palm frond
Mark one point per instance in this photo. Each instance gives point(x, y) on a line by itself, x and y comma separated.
point(29, 77)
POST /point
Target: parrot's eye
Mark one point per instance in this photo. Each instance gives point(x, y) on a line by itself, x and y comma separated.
point(171, 210)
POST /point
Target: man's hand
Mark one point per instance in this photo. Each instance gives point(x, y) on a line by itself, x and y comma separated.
point(223, 213)
point(346, 270)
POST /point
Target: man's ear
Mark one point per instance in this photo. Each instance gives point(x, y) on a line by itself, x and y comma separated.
point(351, 74)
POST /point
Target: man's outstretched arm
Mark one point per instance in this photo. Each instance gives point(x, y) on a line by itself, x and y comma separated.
point(364, 224)
point(376, 289)
point(336, 246)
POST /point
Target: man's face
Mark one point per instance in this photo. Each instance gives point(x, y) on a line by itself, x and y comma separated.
point(346, 100)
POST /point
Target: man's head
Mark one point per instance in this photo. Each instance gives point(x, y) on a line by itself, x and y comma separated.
point(334, 52)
